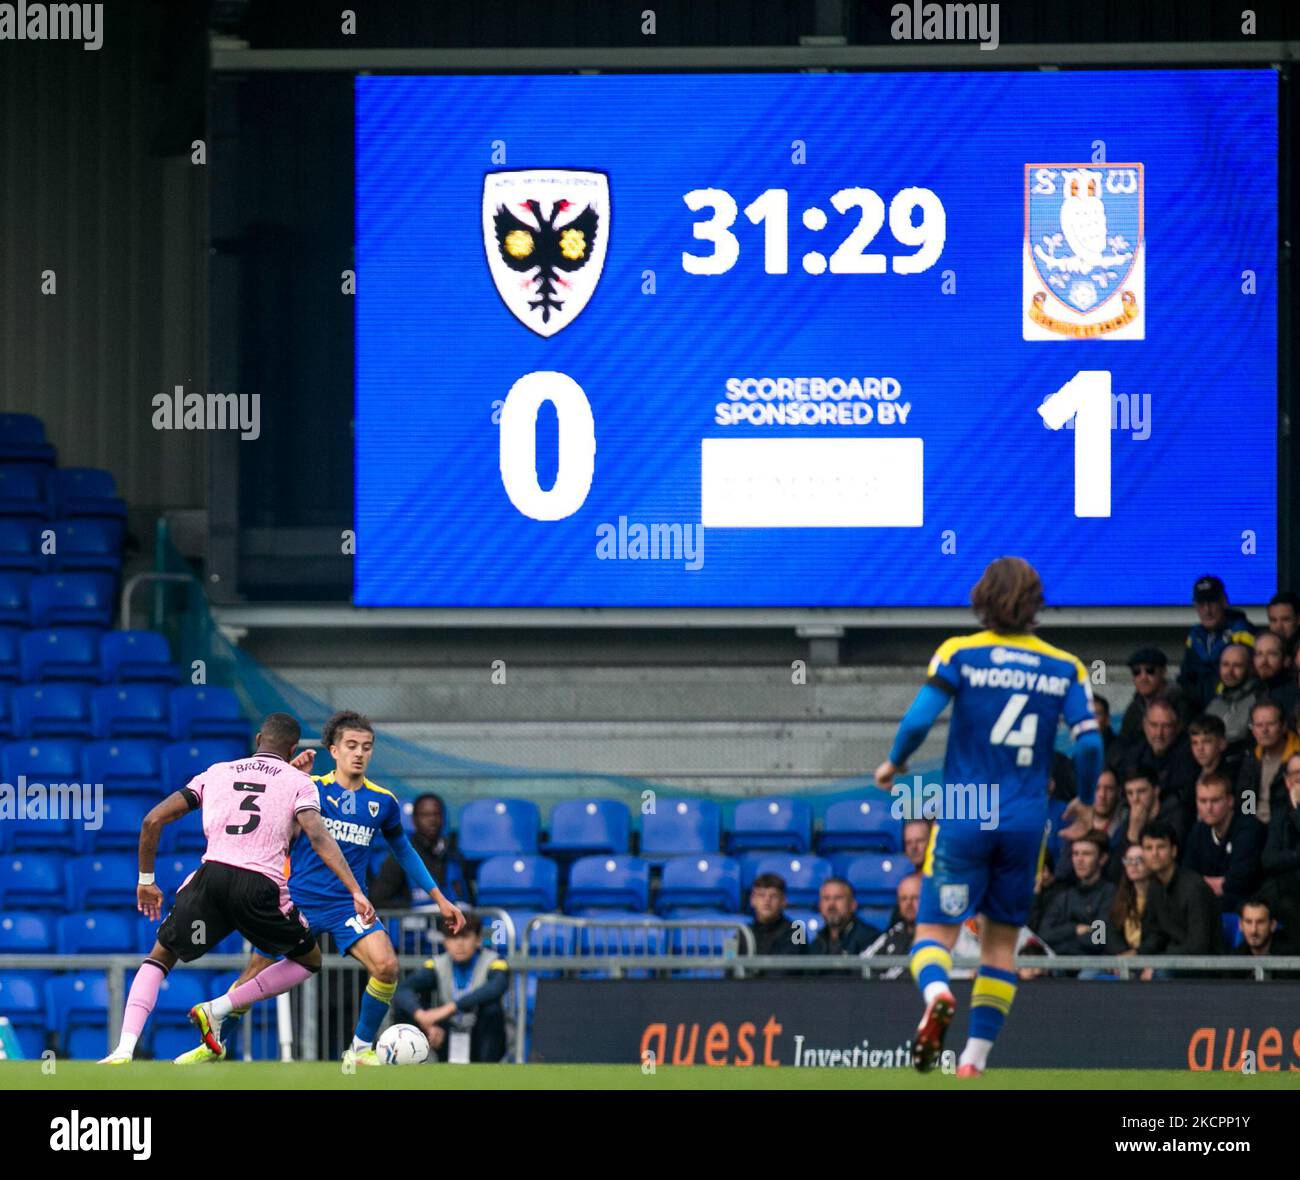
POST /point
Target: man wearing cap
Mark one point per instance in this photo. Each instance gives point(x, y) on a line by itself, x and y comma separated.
point(1149, 667)
point(1219, 626)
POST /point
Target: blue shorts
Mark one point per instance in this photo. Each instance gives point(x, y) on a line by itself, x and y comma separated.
point(339, 920)
point(968, 871)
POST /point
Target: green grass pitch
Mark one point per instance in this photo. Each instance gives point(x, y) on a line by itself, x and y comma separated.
point(155, 1075)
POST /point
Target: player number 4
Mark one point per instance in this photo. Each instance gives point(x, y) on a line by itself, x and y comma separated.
point(1007, 733)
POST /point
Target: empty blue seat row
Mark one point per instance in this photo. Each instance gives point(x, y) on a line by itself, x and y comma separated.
point(54, 600)
point(676, 827)
point(707, 882)
point(85, 654)
point(31, 491)
point(33, 884)
point(64, 546)
point(62, 709)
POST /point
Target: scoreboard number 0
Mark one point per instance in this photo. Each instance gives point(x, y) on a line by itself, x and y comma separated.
point(518, 442)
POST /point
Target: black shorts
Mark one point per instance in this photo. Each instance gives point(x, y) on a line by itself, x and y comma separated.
point(220, 898)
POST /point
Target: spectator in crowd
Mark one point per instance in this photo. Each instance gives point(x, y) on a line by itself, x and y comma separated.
point(774, 932)
point(390, 889)
point(897, 940)
point(1209, 743)
point(1281, 859)
point(457, 998)
point(1236, 694)
point(1224, 845)
point(1149, 667)
point(1182, 913)
point(1163, 748)
point(1260, 934)
point(1101, 711)
point(1141, 801)
point(1219, 625)
point(1106, 815)
point(916, 838)
point(1261, 778)
point(842, 932)
point(1130, 901)
point(1077, 917)
point(1276, 673)
point(1284, 620)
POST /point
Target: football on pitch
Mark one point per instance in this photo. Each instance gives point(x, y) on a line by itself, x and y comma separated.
point(402, 1044)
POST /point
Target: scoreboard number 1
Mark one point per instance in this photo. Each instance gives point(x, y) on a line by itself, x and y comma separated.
point(1086, 398)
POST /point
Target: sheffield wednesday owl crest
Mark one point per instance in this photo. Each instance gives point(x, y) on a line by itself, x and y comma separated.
point(1084, 253)
point(546, 231)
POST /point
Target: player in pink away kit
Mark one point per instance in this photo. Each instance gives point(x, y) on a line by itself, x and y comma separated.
point(252, 809)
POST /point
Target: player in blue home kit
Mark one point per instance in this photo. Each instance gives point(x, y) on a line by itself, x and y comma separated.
point(1009, 690)
point(353, 810)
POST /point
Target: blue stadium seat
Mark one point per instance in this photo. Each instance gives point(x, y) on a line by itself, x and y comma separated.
point(131, 711)
point(703, 882)
point(875, 915)
point(590, 826)
point(57, 710)
point(22, 495)
point(636, 938)
point(172, 871)
point(22, 439)
point(125, 765)
point(26, 933)
point(812, 922)
point(14, 592)
point(102, 881)
point(86, 546)
point(85, 491)
point(96, 932)
point(32, 881)
point(550, 938)
point(702, 939)
point(76, 1007)
point(681, 827)
point(506, 881)
point(181, 761)
point(60, 653)
point(20, 551)
point(1231, 931)
point(779, 825)
point(76, 600)
point(136, 656)
point(22, 1001)
point(498, 827)
point(875, 877)
point(119, 826)
point(11, 670)
point(171, 1031)
point(608, 882)
point(207, 711)
point(860, 825)
point(52, 760)
point(803, 876)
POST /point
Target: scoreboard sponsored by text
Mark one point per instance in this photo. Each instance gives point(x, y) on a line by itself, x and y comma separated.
point(814, 340)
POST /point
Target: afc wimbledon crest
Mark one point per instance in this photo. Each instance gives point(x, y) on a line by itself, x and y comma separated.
point(1084, 253)
point(546, 230)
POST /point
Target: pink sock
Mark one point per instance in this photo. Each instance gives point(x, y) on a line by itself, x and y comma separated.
point(141, 1001)
point(278, 977)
